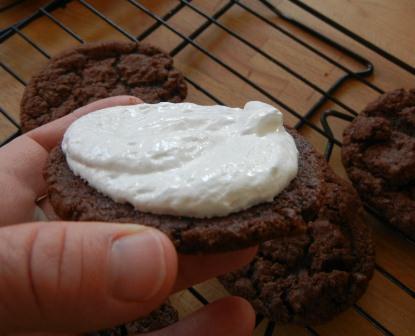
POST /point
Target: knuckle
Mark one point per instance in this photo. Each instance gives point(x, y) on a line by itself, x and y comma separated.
point(45, 259)
point(16, 286)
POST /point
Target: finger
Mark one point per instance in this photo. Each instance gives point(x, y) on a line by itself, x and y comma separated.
point(194, 269)
point(49, 135)
point(23, 159)
point(21, 166)
point(229, 316)
point(73, 277)
point(25, 156)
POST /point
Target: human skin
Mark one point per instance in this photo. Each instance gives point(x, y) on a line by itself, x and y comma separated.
point(59, 276)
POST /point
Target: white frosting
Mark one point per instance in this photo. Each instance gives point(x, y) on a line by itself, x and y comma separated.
point(184, 159)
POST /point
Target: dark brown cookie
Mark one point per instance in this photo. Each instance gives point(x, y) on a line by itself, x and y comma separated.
point(93, 71)
point(300, 202)
point(379, 156)
point(310, 278)
point(158, 319)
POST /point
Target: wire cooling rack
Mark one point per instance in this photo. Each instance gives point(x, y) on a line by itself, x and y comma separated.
point(190, 39)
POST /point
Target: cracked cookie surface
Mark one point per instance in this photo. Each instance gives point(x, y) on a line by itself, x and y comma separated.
point(74, 199)
point(379, 156)
point(94, 71)
point(310, 278)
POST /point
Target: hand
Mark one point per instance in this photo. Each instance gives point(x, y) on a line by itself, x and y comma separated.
point(74, 277)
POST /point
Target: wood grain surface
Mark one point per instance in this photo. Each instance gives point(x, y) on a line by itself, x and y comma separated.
point(385, 24)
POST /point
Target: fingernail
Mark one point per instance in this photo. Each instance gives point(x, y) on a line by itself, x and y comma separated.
point(137, 266)
point(135, 101)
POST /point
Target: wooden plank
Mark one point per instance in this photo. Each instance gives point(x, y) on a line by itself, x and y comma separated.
point(348, 323)
point(12, 91)
point(19, 12)
point(394, 254)
point(387, 75)
point(373, 15)
point(20, 56)
point(185, 303)
point(212, 290)
point(6, 128)
point(389, 305)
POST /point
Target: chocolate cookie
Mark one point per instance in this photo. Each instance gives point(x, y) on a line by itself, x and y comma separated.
point(379, 156)
point(310, 278)
point(158, 319)
point(300, 202)
point(93, 71)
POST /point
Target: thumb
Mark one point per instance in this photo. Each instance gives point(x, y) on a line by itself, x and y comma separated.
point(66, 276)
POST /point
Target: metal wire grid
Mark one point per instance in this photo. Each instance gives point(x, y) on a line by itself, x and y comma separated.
point(326, 95)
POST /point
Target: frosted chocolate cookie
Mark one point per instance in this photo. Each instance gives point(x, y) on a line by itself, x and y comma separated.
point(162, 317)
point(94, 71)
point(212, 178)
point(310, 278)
point(379, 156)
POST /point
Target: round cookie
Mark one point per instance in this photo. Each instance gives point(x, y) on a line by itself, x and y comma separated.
point(94, 71)
point(162, 317)
point(379, 156)
point(296, 205)
point(310, 278)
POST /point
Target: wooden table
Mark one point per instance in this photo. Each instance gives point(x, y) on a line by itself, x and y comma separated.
point(379, 30)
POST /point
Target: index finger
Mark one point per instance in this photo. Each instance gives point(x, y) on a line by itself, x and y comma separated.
point(22, 160)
